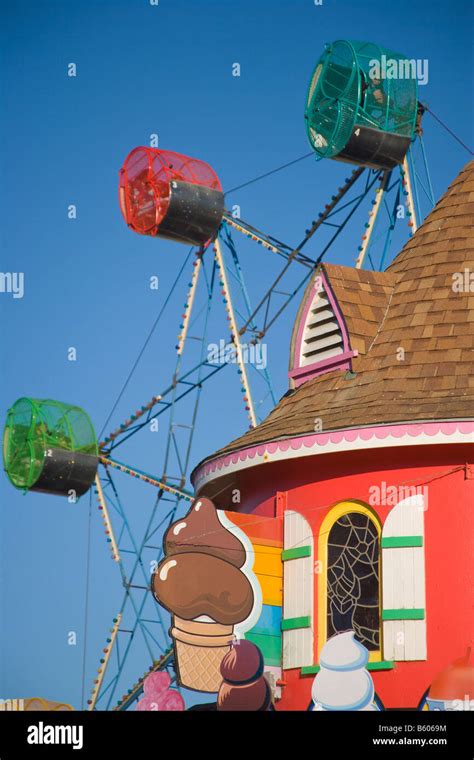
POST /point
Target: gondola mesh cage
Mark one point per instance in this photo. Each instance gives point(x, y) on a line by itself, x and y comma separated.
point(344, 92)
point(145, 177)
point(33, 426)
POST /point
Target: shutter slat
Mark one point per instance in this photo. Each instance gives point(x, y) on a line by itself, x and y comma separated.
point(297, 623)
point(403, 567)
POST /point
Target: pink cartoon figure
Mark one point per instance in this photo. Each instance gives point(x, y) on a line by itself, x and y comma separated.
point(157, 694)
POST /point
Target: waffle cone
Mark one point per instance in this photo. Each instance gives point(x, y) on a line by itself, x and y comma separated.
point(199, 649)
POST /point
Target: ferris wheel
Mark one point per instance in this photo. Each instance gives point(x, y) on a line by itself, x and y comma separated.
point(354, 115)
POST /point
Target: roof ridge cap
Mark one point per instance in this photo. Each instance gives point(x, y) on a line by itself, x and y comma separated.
point(382, 321)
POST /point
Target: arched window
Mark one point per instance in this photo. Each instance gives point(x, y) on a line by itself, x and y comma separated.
point(349, 593)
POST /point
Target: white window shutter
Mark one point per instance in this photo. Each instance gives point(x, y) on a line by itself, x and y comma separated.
point(403, 581)
point(298, 591)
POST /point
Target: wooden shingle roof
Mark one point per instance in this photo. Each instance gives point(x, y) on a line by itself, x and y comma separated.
point(413, 326)
point(363, 297)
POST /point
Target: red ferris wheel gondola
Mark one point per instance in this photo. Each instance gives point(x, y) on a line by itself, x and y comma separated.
point(168, 195)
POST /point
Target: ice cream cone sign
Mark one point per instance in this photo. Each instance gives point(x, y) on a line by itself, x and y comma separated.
point(453, 688)
point(204, 585)
point(343, 683)
point(244, 686)
point(158, 696)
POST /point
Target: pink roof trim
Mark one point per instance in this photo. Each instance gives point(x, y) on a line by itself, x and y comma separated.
point(414, 430)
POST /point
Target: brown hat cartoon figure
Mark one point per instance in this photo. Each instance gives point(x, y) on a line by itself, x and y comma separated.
point(200, 582)
point(244, 686)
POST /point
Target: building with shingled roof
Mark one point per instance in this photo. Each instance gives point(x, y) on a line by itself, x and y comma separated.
point(364, 469)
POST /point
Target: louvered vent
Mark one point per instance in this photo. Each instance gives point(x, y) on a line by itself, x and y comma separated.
point(320, 341)
point(322, 335)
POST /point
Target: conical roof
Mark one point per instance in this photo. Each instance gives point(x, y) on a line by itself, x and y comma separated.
point(418, 365)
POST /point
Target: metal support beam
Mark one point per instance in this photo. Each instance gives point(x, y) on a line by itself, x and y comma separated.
point(106, 518)
point(135, 473)
point(372, 218)
point(104, 662)
point(235, 336)
point(408, 192)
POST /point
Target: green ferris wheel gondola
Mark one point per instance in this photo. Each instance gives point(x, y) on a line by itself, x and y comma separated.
point(362, 104)
point(49, 446)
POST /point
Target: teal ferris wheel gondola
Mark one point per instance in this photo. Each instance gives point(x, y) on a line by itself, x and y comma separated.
point(362, 104)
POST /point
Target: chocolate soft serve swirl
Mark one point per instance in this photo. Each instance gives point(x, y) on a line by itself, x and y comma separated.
point(200, 575)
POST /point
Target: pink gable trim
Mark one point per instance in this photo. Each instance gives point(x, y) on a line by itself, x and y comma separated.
point(343, 361)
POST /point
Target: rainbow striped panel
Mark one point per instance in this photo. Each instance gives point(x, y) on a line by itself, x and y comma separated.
point(265, 534)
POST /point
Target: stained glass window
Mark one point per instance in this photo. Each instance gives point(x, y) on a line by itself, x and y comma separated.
point(353, 582)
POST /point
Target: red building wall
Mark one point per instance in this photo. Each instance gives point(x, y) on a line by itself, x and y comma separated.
point(314, 484)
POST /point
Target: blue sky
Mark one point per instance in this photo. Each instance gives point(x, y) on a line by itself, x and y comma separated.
point(164, 69)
